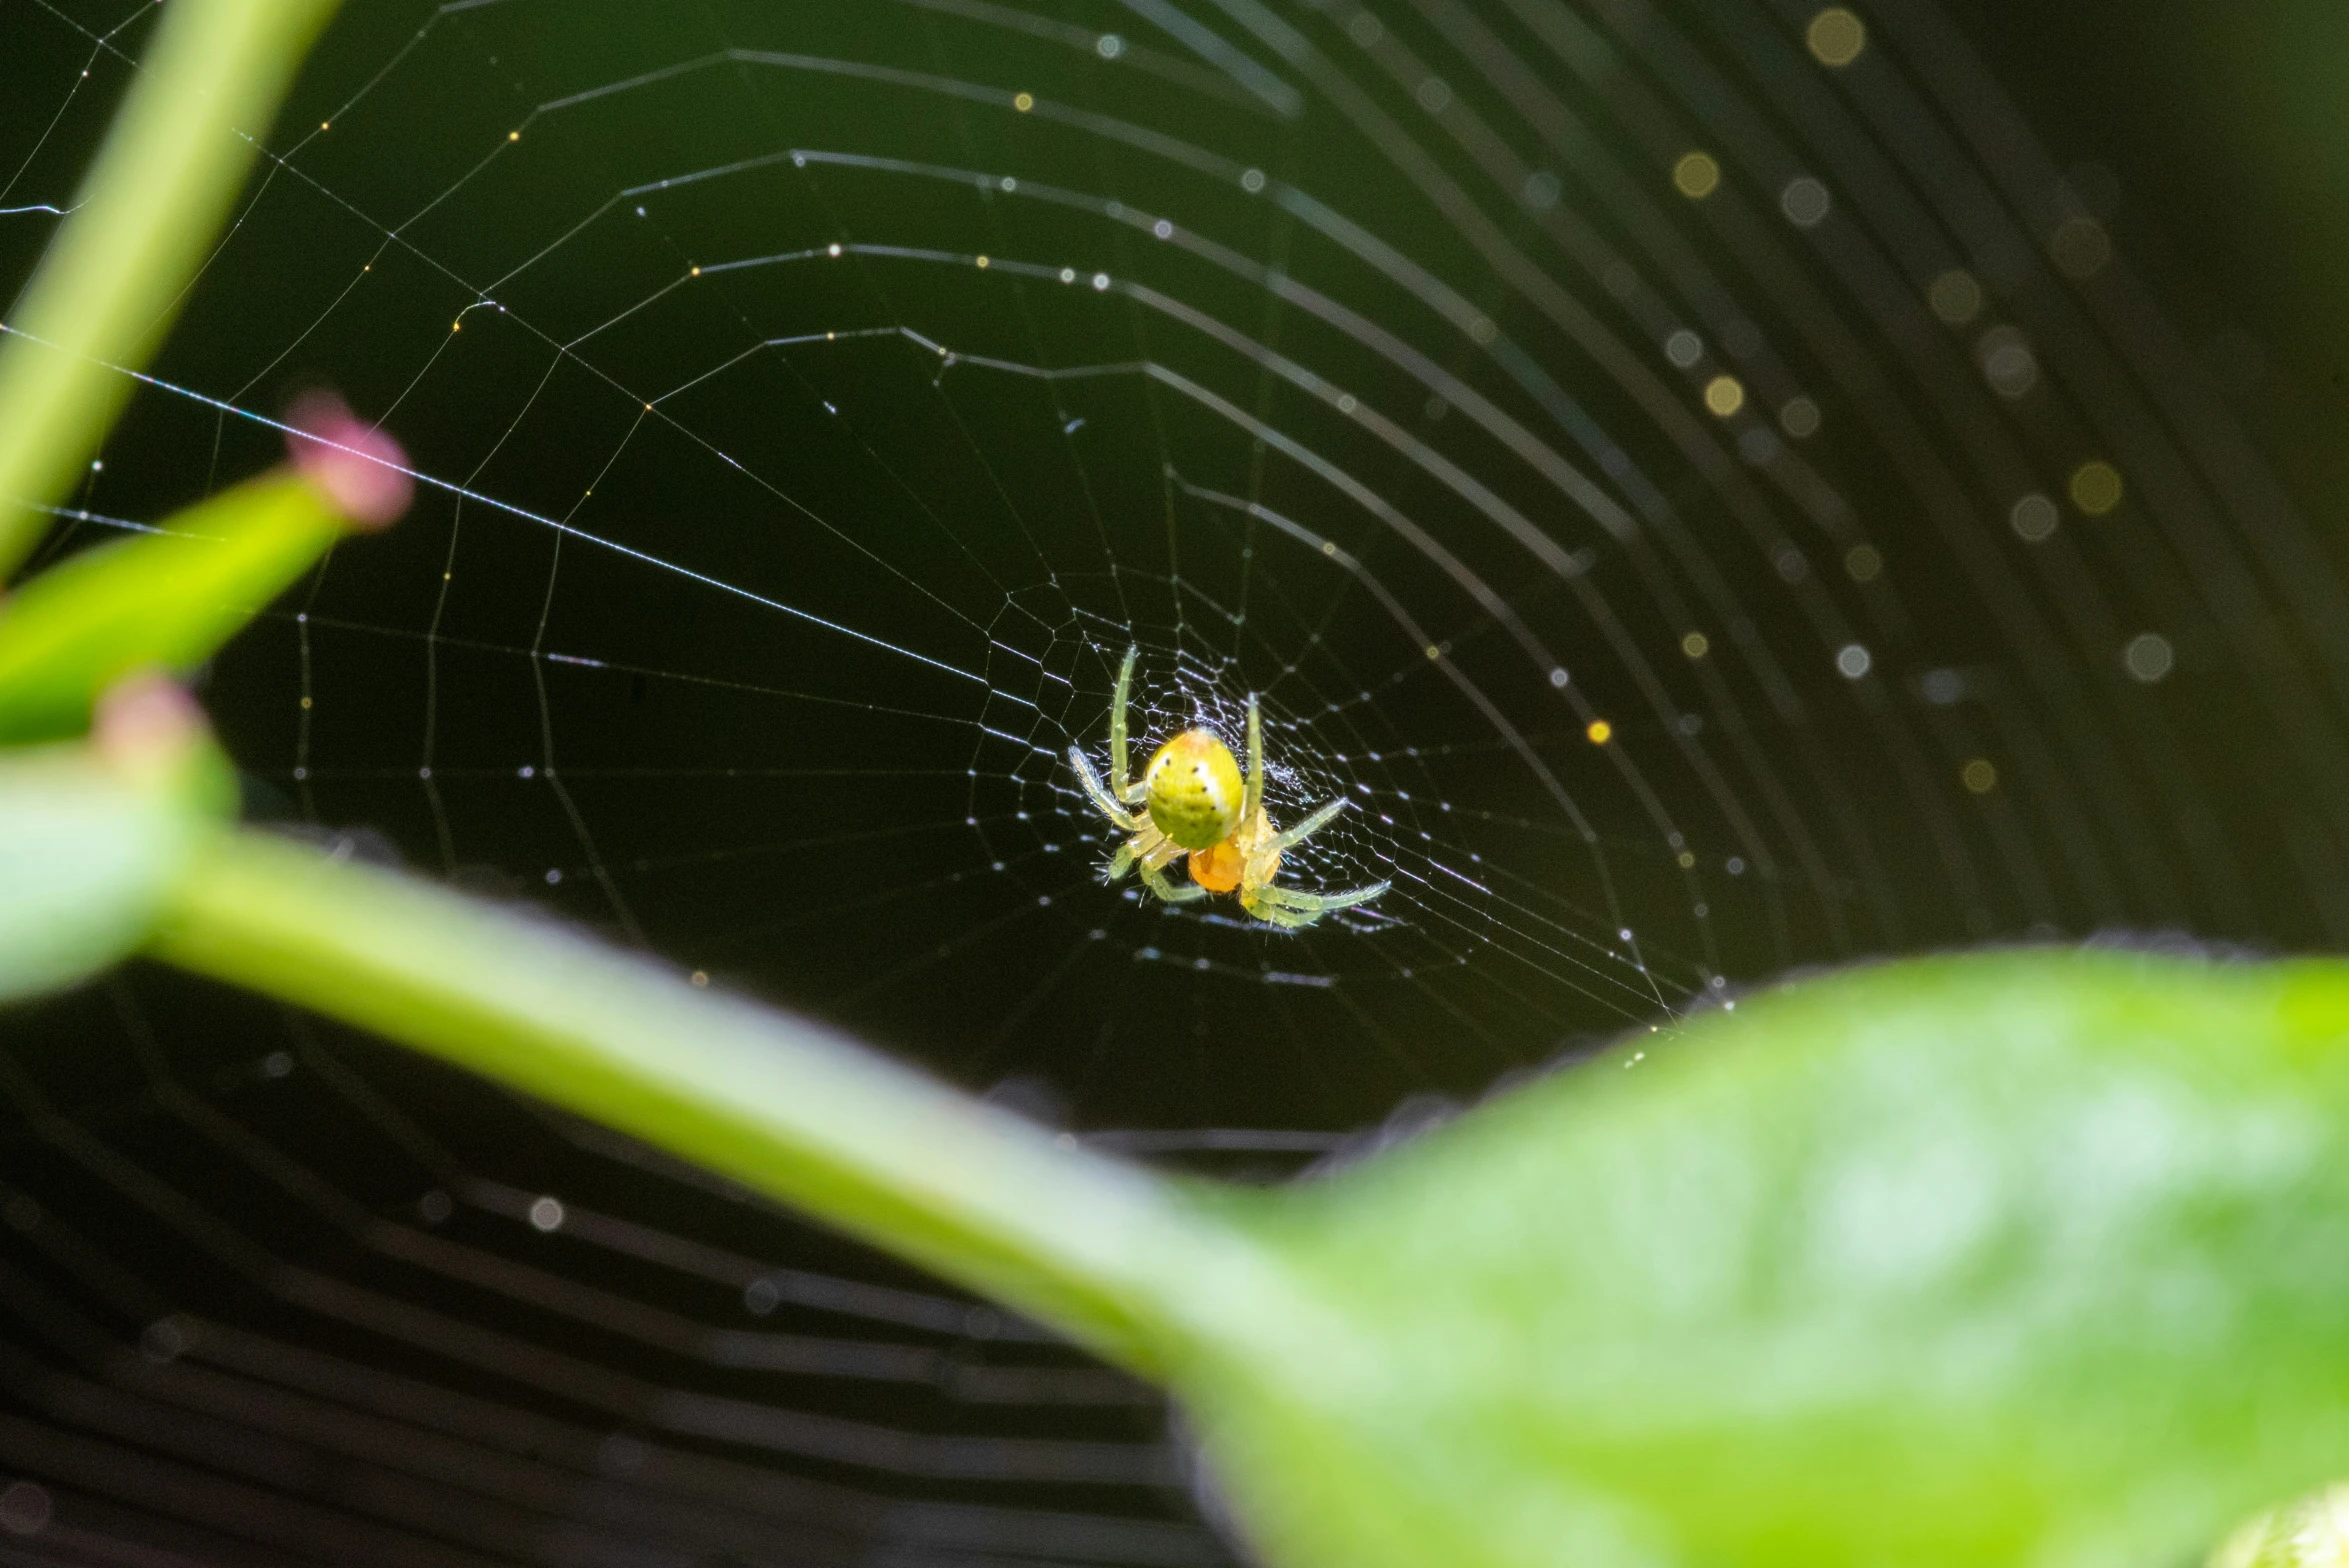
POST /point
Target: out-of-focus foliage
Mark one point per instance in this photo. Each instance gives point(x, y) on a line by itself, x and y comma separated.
point(2311, 1533)
point(2028, 1257)
point(2025, 1258)
point(113, 279)
point(92, 838)
point(167, 599)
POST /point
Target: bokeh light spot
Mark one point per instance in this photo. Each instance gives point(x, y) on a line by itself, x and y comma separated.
point(2007, 362)
point(2148, 657)
point(2080, 248)
point(1955, 297)
point(2034, 517)
point(2096, 487)
point(1836, 37)
point(1805, 202)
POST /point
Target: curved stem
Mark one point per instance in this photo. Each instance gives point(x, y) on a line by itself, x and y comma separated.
point(1102, 1250)
point(114, 276)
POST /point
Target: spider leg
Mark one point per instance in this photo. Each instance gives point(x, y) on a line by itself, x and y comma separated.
point(1150, 849)
point(1291, 908)
point(1121, 782)
point(1297, 900)
point(1274, 916)
point(1252, 797)
point(1155, 880)
point(1101, 798)
point(1291, 837)
point(1155, 850)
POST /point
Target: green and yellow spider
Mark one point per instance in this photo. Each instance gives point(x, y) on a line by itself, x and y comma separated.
point(1195, 804)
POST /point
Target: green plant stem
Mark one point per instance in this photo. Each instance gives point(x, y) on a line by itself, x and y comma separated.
point(111, 281)
point(168, 599)
point(1102, 1250)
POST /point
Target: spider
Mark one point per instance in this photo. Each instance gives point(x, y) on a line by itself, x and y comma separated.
point(1195, 804)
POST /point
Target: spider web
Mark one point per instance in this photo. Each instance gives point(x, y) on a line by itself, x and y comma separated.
point(1681, 581)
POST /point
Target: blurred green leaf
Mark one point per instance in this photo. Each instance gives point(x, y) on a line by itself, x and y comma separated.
point(2028, 1258)
point(2312, 1532)
point(110, 284)
point(166, 599)
point(2031, 1258)
point(89, 850)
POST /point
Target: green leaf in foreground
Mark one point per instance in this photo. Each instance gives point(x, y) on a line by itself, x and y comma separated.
point(171, 598)
point(93, 837)
point(2029, 1258)
point(112, 280)
point(2309, 1532)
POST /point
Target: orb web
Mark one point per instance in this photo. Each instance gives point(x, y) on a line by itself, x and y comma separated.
point(1697, 479)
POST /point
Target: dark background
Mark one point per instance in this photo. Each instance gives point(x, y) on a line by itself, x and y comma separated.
point(2222, 123)
point(273, 1293)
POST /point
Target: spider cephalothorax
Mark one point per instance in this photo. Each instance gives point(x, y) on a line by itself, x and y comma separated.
point(1196, 804)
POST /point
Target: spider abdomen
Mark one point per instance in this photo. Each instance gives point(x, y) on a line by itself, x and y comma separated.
point(1194, 790)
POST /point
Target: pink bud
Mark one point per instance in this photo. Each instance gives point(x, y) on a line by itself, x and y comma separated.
point(145, 725)
point(359, 468)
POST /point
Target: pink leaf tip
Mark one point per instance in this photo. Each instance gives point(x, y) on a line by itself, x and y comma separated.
point(146, 725)
point(358, 467)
